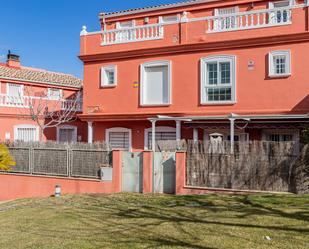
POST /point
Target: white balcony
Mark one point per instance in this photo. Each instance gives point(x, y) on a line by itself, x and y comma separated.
point(135, 34)
point(27, 101)
point(250, 20)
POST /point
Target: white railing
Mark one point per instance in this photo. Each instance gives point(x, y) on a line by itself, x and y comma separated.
point(135, 34)
point(15, 101)
point(27, 101)
point(250, 20)
point(71, 105)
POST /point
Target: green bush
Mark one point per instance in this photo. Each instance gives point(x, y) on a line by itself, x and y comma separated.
point(6, 160)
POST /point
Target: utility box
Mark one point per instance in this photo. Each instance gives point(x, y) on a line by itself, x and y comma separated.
point(106, 173)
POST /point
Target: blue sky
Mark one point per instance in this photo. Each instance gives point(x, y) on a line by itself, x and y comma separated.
point(45, 33)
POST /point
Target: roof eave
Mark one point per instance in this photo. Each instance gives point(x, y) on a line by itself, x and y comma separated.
point(150, 9)
point(41, 82)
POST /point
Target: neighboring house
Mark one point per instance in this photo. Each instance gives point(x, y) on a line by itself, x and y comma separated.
point(19, 85)
point(202, 70)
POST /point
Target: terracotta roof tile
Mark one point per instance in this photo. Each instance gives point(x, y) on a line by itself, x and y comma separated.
point(39, 76)
point(161, 6)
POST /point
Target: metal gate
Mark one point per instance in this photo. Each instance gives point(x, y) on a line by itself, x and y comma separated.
point(132, 172)
point(164, 172)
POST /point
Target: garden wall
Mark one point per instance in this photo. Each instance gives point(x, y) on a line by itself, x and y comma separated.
point(15, 186)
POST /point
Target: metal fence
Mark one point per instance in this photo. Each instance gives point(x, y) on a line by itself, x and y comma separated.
point(62, 160)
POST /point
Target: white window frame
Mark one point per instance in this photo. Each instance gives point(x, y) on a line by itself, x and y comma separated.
point(157, 129)
point(164, 19)
point(21, 89)
point(271, 67)
point(104, 79)
point(26, 126)
point(169, 81)
point(217, 23)
point(132, 22)
point(204, 76)
point(271, 5)
point(68, 127)
point(119, 129)
point(51, 97)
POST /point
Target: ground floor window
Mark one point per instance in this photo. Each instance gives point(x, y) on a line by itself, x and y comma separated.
point(67, 134)
point(26, 133)
point(119, 138)
point(280, 135)
point(162, 134)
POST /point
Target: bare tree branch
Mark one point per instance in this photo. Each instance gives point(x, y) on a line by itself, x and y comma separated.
point(47, 112)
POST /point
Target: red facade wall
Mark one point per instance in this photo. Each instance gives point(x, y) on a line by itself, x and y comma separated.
point(255, 92)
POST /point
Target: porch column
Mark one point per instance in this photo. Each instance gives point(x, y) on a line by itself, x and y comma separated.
point(232, 133)
point(178, 132)
point(195, 134)
point(90, 132)
point(153, 135)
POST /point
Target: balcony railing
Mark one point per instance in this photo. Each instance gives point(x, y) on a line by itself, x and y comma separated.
point(15, 101)
point(135, 34)
point(250, 20)
point(27, 101)
point(71, 105)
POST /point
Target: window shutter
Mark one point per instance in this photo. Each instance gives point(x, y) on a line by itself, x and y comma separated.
point(102, 76)
point(156, 87)
point(161, 136)
point(119, 140)
point(26, 134)
point(66, 135)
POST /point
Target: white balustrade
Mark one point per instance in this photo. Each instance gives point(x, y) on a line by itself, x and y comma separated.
point(135, 34)
point(14, 101)
point(72, 105)
point(250, 20)
point(27, 101)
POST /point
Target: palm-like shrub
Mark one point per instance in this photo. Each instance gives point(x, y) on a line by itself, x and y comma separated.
point(6, 160)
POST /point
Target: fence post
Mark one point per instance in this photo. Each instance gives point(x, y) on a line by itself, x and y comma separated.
point(69, 162)
point(117, 171)
point(31, 159)
point(147, 171)
point(180, 172)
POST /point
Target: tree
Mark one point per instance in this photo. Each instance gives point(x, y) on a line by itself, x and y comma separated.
point(49, 111)
point(6, 160)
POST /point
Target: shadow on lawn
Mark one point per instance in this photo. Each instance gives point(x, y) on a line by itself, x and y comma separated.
point(127, 221)
point(263, 209)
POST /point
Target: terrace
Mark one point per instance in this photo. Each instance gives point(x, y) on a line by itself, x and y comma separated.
point(26, 101)
point(156, 33)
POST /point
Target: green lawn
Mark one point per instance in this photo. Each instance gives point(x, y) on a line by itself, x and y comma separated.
point(156, 221)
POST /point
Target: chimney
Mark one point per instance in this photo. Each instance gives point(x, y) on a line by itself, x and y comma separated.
point(13, 60)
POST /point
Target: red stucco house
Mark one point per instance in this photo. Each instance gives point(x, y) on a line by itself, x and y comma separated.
point(197, 70)
point(19, 85)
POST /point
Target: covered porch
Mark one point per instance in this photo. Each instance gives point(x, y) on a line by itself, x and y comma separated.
point(235, 128)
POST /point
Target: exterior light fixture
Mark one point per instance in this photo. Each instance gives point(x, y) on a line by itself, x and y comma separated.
point(57, 191)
